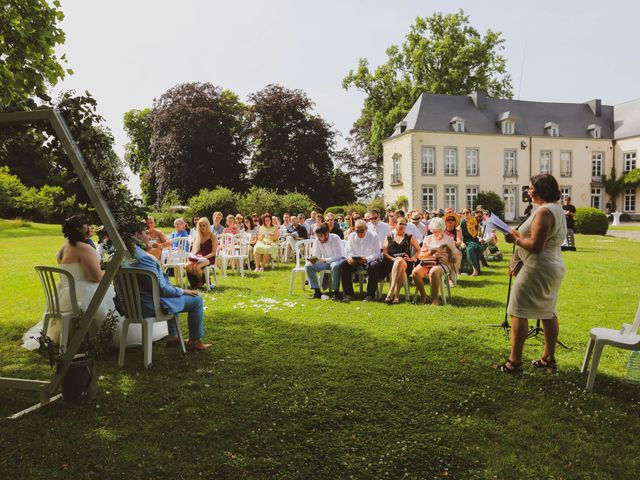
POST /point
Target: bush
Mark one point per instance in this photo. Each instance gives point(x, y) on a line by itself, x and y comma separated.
point(491, 201)
point(11, 189)
point(295, 203)
point(165, 220)
point(591, 221)
point(401, 203)
point(49, 204)
point(378, 204)
point(259, 200)
point(208, 201)
point(361, 208)
point(336, 210)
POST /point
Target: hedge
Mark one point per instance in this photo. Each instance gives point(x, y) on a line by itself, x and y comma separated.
point(591, 221)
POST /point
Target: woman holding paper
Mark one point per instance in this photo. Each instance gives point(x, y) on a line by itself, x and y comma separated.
point(203, 253)
point(538, 280)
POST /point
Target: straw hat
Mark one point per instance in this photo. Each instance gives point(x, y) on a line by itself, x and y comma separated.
point(455, 216)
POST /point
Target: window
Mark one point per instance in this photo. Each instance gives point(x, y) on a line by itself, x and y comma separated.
point(552, 129)
point(396, 176)
point(510, 166)
point(630, 200)
point(450, 197)
point(472, 197)
point(471, 155)
point(565, 192)
point(596, 130)
point(450, 161)
point(565, 164)
point(457, 123)
point(508, 127)
point(597, 164)
point(596, 198)
point(545, 161)
point(428, 161)
point(429, 198)
point(629, 161)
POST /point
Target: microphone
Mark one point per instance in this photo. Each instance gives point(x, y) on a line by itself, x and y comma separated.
point(527, 210)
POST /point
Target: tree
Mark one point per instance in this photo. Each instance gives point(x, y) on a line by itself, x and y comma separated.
point(137, 152)
point(342, 189)
point(292, 147)
point(441, 54)
point(199, 140)
point(490, 201)
point(29, 33)
point(613, 186)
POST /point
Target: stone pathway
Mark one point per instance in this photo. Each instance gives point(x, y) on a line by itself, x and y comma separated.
point(632, 234)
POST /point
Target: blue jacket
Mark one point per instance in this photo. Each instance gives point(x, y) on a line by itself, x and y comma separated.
point(171, 297)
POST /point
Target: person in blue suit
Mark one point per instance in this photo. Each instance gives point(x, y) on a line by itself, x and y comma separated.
point(172, 299)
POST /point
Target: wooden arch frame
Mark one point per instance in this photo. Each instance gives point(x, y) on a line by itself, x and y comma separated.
point(47, 389)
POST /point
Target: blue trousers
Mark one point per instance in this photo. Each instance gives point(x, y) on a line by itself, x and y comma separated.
point(195, 318)
point(312, 274)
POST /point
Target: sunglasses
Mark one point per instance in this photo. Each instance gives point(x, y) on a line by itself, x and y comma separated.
point(361, 230)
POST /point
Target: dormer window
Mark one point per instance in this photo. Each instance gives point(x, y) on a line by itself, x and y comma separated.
point(507, 123)
point(595, 130)
point(400, 127)
point(457, 123)
point(552, 129)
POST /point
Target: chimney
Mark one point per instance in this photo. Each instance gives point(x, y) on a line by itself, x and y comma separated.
point(595, 106)
point(479, 100)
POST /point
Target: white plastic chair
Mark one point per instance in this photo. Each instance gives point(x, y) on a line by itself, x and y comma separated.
point(234, 248)
point(444, 290)
point(303, 251)
point(127, 287)
point(52, 301)
point(627, 338)
point(176, 258)
point(405, 284)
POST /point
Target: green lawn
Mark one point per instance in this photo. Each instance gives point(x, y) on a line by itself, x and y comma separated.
point(305, 389)
point(629, 228)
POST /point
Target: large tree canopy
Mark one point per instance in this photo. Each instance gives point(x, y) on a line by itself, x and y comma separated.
point(137, 152)
point(292, 146)
point(29, 33)
point(199, 140)
point(441, 54)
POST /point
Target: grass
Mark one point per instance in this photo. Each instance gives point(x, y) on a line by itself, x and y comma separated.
point(305, 389)
point(629, 228)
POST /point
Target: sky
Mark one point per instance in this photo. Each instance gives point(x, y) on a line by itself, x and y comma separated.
point(126, 53)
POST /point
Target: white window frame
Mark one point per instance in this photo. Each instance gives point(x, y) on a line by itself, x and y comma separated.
point(451, 197)
point(458, 126)
point(597, 164)
point(513, 171)
point(396, 173)
point(596, 198)
point(426, 171)
point(630, 161)
point(554, 131)
point(566, 170)
point(471, 196)
point(432, 194)
point(447, 157)
point(544, 155)
point(565, 192)
point(508, 127)
point(629, 200)
point(469, 162)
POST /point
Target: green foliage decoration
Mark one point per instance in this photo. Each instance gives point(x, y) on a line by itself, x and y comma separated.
point(490, 201)
point(208, 201)
point(591, 221)
point(360, 208)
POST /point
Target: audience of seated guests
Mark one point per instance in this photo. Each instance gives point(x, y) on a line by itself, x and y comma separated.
point(479, 215)
point(452, 229)
point(416, 220)
point(204, 247)
point(230, 226)
point(330, 218)
point(180, 231)
point(342, 223)
point(240, 221)
point(267, 245)
point(303, 222)
point(217, 226)
point(351, 225)
point(473, 248)
point(318, 220)
point(435, 259)
point(327, 254)
point(105, 248)
point(249, 227)
point(398, 255)
point(297, 230)
point(411, 229)
point(194, 227)
point(310, 221)
point(256, 219)
point(381, 229)
point(157, 239)
point(363, 253)
point(391, 219)
point(173, 299)
point(286, 221)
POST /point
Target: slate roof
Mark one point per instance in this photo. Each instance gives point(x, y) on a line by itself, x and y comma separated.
point(433, 112)
point(627, 119)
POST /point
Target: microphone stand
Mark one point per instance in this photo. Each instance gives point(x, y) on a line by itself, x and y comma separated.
point(505, 324)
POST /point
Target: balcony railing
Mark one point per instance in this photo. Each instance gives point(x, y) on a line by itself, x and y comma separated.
point(396, 179)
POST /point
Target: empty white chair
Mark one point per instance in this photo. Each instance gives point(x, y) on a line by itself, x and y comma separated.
point(234, 249)
point(126, 283)
point(303, 252)
point(627, 338)
point(52, 302)
point(175, 257)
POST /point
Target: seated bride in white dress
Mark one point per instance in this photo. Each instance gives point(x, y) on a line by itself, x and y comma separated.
point(80, 260)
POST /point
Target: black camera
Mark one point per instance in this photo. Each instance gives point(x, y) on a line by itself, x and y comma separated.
point(525, 194)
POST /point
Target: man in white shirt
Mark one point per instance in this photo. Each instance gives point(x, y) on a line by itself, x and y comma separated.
point(363, 252)
point(327, 254)
point(416, 219)
point(377, 226)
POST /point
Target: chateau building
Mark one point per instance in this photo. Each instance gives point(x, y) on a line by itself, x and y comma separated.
point(449, 148)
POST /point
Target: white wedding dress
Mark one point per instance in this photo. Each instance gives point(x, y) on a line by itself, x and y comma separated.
point(84, 293)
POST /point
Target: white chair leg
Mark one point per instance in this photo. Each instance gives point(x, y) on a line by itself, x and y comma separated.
point(587, 354)
point(597, 351)
point(443, 294)
point(64, 333)
point(241, 266)
point(407, 295)
point(293, 279)
point(304, 279)
point(180, 337)
point(147, 343)
point(123, 341)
